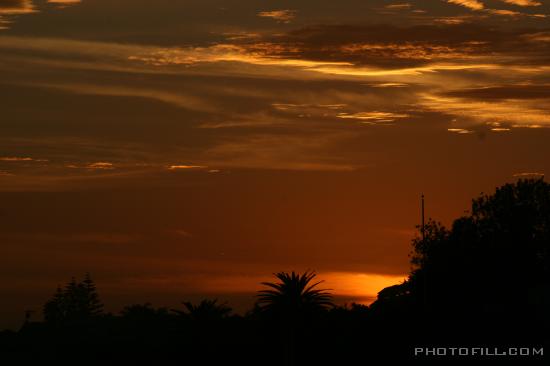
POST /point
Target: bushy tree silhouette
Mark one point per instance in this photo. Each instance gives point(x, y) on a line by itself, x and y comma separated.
point(491, 267)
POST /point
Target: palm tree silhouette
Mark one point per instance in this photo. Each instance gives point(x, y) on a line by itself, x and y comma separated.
point(294, 294)
point(206, 311)
point(292, 300)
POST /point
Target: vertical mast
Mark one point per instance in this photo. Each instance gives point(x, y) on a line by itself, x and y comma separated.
point(423, 233)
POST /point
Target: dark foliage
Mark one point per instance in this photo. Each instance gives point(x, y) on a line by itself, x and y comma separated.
point(77, 302)
point(206, 311)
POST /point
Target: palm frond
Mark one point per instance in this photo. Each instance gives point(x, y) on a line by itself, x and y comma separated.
point(294, 292)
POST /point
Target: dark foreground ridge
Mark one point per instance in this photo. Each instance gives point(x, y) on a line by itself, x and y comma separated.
point(477, 291)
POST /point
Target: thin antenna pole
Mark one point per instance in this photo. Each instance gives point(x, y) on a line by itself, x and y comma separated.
point(423, 232)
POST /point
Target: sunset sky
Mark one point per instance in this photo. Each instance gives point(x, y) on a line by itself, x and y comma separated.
point(187, 149)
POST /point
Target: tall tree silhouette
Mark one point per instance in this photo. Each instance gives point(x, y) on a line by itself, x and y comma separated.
point(94, 306)
point(77, 302)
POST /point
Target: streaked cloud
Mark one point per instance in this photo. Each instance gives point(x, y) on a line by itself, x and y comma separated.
point(529, 174)
point(451, 20)
point(535, 126)
point(64, 2)
point(520, 91)
point(100, 165)
point(15, 7)
point(461, 131)
point(283, 16)
point(174, 98)
point(537, 37)
point(257, 54)
point(384, 60)
point(186, 167)
point(374, 117)
point(470, 4)
point(398, 6)
point(523, 2)
point(390, 85)
point(504, 12)
point(15, 158)
point(521, 113)
point(291, 106)
point(480, 6)
point(286, 152)
point(10, 9)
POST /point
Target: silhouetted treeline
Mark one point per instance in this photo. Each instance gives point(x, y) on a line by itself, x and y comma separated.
point(484, 282)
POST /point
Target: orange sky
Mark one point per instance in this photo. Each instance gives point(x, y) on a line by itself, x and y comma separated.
point(178, 150)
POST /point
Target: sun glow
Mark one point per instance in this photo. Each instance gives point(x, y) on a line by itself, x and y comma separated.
point(361, 287)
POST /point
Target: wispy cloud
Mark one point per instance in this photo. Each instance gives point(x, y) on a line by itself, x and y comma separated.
point(181, 100)
point(537, 37)
point(15, 158)
point(374, 117)
point(454, 20)
point(11, 8)
point(523, 2)
point(479, 6)
point(390, 85)
point(470, 4)
point(520, 113)
point(504, 12)
point(358, 74)
point(21, 159)
point(461, 131)
point(14, 7)
point(64, 3)
point(186, 167)
point(510, 92)
point(100, 165)
point(347, 51)
point(283, 16)
point(287, 152)
point(529, 174)
point(398, 6)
